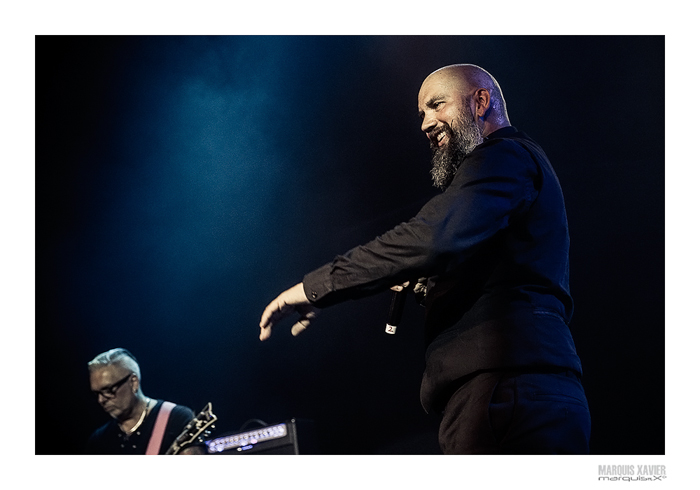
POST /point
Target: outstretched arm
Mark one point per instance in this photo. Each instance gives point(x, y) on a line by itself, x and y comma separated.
point(290, 301)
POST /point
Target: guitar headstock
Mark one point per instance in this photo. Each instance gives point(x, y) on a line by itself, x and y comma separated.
point(195, 431)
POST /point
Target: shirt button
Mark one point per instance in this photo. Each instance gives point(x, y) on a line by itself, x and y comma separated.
point(314, 294)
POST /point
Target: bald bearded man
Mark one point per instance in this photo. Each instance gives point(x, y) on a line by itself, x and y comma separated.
point(501, 365)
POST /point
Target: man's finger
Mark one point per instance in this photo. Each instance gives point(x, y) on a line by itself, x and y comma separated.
point(265, 333)
point(274, 312)
point(309, 316)
point(271, 315)
point(299, 327)
point(399, 287)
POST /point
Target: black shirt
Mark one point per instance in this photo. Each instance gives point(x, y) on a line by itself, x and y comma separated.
point(110, 439)
point(495, 246)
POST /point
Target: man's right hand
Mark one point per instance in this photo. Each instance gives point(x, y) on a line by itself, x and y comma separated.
point(419, 288)
point(290, 301)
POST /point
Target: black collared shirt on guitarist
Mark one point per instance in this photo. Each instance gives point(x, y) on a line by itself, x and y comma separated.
point(110, 439)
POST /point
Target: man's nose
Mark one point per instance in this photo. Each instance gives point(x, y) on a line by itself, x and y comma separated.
point(429, 123)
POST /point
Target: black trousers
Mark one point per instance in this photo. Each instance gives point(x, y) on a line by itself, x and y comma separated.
point(511, 412)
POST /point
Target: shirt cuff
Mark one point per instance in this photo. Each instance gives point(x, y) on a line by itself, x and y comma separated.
point(317, 286)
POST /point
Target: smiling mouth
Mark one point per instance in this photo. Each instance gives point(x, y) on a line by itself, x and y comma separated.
point(439, 138)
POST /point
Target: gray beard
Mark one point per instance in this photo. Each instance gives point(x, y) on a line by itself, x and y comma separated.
point(464, 136)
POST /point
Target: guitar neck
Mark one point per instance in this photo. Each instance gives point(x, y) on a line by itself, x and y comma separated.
point(194, 431)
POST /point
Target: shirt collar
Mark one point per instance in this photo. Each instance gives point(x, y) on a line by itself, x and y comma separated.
point(502, 132)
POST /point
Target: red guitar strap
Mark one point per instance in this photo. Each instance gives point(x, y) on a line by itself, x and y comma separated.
point(159, 428)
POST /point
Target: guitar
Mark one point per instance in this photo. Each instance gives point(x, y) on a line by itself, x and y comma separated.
point(198, 428)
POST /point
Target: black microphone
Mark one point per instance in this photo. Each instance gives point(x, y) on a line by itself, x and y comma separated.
point(396, 309)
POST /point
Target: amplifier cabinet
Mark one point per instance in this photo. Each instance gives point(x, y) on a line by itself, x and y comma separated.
point(280, 438)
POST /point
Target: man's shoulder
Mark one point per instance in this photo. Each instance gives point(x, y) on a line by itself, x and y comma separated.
point(503, 151)
point(514, 137)
point(181, 412)
point(100, 436)
point(103, 429)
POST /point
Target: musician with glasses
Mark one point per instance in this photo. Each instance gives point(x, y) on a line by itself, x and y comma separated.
point(139, 425)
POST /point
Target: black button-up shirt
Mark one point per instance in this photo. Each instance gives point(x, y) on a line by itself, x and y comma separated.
point(495, 246)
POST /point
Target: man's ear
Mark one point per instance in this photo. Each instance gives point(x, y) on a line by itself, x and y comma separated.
point(482, 99)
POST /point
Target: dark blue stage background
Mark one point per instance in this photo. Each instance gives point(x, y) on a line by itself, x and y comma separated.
point(183, 182)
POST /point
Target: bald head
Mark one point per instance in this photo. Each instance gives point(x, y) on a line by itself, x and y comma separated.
point(467, 81)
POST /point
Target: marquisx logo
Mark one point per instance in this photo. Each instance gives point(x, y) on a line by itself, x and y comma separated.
point(631, 472)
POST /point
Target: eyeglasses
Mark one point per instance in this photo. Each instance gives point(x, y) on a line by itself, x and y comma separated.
point(111, 390)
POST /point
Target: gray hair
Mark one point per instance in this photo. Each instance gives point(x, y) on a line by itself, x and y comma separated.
point(118, 356)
